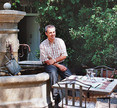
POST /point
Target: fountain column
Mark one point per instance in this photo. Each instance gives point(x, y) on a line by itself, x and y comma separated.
point(9, 32)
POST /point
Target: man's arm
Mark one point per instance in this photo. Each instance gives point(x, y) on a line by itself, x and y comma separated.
point(54, 62)
point(61, 67)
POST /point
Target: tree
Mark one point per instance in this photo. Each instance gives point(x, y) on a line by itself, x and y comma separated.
point(99, 34)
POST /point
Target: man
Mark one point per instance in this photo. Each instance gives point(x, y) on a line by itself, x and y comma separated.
point(52, 54)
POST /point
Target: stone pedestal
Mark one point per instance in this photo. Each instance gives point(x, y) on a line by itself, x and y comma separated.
point(8, 32)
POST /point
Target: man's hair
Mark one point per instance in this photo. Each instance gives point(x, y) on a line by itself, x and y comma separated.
point(49, 26)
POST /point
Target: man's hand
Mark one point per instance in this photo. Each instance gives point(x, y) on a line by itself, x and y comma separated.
point(61, 67)
point(50, 62)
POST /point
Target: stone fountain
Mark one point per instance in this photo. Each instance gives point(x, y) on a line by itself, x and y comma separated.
point(9, 31)
point(23, 91)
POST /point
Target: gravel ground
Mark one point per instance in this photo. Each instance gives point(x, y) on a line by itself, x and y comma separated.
point(103, 103)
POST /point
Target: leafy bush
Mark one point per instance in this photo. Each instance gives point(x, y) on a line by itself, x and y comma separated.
point(99, 34)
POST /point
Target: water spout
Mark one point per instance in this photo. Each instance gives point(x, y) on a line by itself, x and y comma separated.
point(22, 47)
point(26, 45)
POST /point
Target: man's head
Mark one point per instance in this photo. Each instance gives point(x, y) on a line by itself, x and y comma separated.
point(50, 32)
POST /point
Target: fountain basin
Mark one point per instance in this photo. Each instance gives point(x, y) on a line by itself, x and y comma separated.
point(31, 67)
point(27, 91)
point(30, 63)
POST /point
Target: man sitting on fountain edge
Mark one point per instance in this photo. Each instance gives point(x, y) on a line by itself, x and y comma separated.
point(53, 53)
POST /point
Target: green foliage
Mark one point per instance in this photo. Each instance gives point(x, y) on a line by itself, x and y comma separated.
point(115, 76)
point(89, 28)
point(14, 3)
point(37, 54)
point(58, 13)
point(99, 34)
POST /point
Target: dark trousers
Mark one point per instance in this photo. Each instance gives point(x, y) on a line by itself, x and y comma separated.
point(54, 72)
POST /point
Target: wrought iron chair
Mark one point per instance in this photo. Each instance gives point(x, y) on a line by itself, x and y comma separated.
point(73, 101)
point(106, 72)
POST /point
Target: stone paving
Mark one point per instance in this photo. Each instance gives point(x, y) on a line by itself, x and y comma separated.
point(103, 103)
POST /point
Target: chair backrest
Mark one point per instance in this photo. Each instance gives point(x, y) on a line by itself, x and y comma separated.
point(104, 71)
point(69, 85)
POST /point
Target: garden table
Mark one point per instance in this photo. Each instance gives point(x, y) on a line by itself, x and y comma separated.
point(99, 85)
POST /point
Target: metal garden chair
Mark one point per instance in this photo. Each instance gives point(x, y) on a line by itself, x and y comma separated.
point(74, 102)
point(106, 72)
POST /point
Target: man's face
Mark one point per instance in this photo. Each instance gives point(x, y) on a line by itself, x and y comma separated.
point(51, 33)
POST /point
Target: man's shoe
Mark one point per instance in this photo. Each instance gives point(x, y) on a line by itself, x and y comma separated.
point(57, 100)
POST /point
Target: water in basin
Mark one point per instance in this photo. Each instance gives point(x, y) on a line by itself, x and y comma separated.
point(31, 67)
point(30, 62)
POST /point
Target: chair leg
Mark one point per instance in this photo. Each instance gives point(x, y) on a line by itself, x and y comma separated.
point(109, 102)
point(85, 102)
